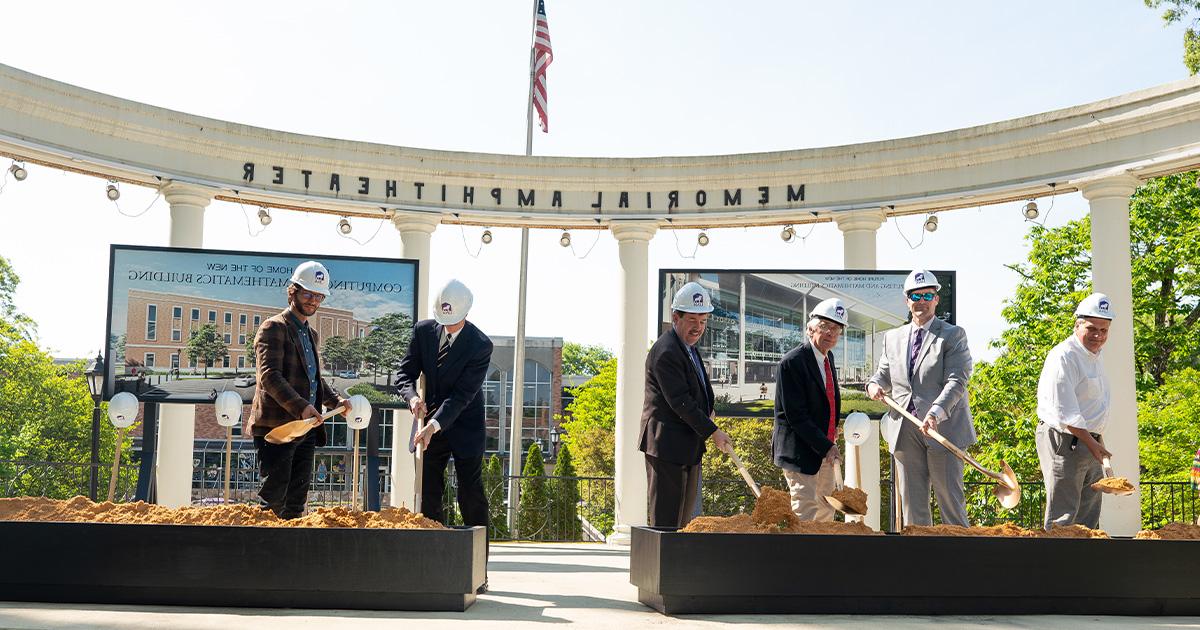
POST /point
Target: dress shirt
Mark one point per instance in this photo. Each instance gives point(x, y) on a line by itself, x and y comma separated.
point(1073, 391)
point(937, 411)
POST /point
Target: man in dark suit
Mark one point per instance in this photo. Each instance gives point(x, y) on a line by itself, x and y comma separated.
point(807, 401)
point(289, 388)
point(454, 356)
point(677, 415)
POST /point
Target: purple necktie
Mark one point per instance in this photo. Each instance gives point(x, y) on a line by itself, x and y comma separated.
point(916, 350)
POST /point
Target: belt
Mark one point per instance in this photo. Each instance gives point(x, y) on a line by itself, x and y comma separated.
point(1074, 438)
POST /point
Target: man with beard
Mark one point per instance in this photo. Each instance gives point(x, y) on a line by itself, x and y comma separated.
point(289, 388)
point(677, 415)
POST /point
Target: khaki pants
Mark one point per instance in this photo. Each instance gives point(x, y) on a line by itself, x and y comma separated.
point(809, 492)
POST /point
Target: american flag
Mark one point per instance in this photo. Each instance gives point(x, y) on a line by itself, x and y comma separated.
point(542, 56)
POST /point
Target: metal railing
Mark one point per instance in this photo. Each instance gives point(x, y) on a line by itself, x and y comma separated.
point(556, 509)
point(63, 480)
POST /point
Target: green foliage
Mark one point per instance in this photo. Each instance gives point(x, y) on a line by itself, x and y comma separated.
point(590, 429)
point(1176, 12)
point(724, 492)
point(373, 394)
point(533, 511)
point(584, 359)
point(564, 498)
point(206, 344)
point(336, 352)
point(10, 317)
point(1168, 422)
point(493, 488)
point(387, 342)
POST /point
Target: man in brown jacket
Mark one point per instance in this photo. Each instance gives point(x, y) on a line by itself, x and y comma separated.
point(289, 388)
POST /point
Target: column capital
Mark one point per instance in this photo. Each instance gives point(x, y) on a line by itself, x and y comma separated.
point(1120, 186)
point(416, 222)
point(633, 230)
point(185, 194)
point(856, 220)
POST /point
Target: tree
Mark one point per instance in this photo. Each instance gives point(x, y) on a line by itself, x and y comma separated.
point(1176, 12)
point(534, 503)
point(579, 359)
point(387, 343)
point(10, 317)
point(206, 343)
point(1168, 419)
point(335, 352)
point(724, 491)
point(591, 427)
point(564, 498)
point(251, 353)
point(493, 488)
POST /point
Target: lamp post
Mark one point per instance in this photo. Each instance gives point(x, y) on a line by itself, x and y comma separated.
point(555, 432)
point(95, 379)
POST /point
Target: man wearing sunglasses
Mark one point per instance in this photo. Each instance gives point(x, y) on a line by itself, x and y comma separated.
point(925, 366)
point(289, 388)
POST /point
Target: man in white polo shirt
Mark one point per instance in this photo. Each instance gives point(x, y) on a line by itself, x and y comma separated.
point(1072, 408)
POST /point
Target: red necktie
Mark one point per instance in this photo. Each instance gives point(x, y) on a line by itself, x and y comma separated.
point(832, 398)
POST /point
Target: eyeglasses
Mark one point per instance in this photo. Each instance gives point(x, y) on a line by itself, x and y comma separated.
point(917, 297)
point(309, 295)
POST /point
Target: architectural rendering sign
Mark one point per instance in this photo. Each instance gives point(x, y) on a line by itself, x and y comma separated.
point(759, 316)
point(182, 322)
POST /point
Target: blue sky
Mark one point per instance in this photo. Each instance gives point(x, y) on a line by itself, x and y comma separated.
point(670, 77)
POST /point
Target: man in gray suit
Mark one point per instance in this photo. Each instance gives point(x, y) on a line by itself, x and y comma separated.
point(925, 366)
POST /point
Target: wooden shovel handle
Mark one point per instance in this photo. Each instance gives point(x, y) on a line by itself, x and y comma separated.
point(737, 461)
point(958, 452)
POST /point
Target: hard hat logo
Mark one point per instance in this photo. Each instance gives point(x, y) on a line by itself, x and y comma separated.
point(319, 276)
point(698, 299)
point(1104, 305)
point(920, 277)
point(447, 309)
point(841, 311)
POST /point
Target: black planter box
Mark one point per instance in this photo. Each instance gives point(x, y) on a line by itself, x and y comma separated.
point(199, 565)
point(680, 573)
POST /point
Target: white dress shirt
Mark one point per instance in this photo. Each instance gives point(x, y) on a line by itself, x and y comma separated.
point(1073, 390)
point(820, 360)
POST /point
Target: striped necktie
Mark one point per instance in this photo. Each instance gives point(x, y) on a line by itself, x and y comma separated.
point(443, 350)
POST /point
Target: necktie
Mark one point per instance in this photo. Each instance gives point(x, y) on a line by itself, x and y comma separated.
point(916, 350)
point(832, 398)
point(443, 350)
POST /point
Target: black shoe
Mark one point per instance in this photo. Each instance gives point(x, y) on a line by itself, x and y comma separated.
point(482, 588)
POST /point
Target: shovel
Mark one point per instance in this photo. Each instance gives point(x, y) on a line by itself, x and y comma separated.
point(1008, 491)
point(837, 486)
point(1108, 474)
point(289, 431)
point(737, 461)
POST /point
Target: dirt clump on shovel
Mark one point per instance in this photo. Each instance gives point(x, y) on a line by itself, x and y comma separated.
point(1004, 530)
point(82, 510)
point(772, 515)
point(1171, 531)
point(1114, 483)
point(852, 499)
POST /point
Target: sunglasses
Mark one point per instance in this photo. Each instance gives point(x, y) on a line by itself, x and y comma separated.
point(917, 297)
point(308, 295)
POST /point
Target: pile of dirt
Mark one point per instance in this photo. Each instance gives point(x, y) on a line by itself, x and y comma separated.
point(1008, 530)
point(1120, 484)
point(772, 515)
point(1171, 531)
point(81, 510)
point(853, 499)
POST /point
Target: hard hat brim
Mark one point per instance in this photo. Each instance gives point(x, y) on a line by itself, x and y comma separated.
point(693, 309)
point(300, 284)
point(447, 320)
point(830, 319)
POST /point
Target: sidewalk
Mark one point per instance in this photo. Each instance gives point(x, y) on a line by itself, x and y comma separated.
point(586, 586)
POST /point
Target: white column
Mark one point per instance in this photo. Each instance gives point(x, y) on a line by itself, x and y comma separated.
point(633, 246)
point(859, 228)
point(415, 231)
point(1111, 275)
point(177, 423)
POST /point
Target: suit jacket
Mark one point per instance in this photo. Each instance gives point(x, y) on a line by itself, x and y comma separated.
point(939, 378)
point(282, 392)
point(800, 436)
point(677, 406)
point(453, 392)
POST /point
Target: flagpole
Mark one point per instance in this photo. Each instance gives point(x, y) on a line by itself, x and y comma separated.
point(518, 404)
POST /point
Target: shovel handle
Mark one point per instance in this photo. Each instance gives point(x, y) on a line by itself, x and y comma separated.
point(837, 477)
point(940, 439)
point(737, 461)
point(1107, 465)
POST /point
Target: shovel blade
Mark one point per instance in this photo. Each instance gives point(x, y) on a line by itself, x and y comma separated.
point(1008, 491)
point(842, 507)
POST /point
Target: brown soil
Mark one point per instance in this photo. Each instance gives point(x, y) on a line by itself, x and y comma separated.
point(1114, 483)
point(81, 510)
point(853, 499)
point(772, 515)
point(1004, 530)
point(1171, 531)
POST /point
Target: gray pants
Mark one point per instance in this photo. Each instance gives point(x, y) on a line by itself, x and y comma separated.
point(922, 463)
point(1069, 474)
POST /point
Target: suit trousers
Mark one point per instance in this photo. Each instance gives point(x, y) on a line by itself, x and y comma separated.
point(673, 492)
point(1069, 474)
point(472, 501)
point(809, 492)
point(921, 462)
point(286, 471)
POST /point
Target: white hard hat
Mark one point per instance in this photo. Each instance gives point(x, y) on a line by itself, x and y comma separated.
point(452, 303)
point(832, 310)
point(228, 408)
point(122, 410)
point(921, 278)
point(692, 298)
point(1095, 305)
point(857, 428)
point(360, 412)
point(312, 276)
